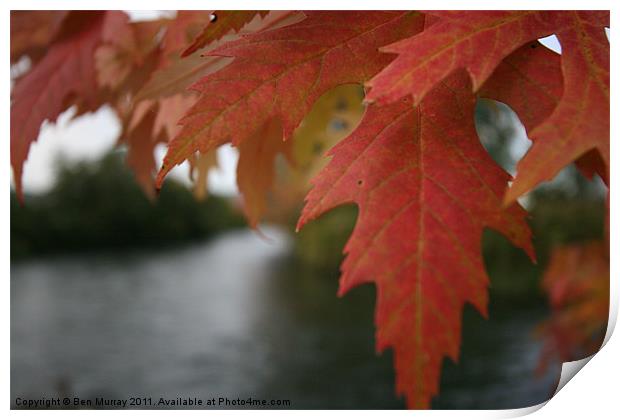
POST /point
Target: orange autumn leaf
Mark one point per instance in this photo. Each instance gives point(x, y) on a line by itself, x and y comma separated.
point(200, 165)
point(141, 139)
point(255, 169)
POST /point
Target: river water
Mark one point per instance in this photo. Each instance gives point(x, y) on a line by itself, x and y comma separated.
point(230, 318)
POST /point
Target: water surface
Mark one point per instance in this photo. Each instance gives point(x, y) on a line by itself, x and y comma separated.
point(231, 318)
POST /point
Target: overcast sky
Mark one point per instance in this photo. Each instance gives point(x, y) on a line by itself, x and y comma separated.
point(91, 135)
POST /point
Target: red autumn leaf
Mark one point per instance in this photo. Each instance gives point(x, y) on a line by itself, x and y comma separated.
point(476, 41)
point(426, 189)
point(33, 30)
point(280, 73)
point(530, 82)
point(577, 283)
point(67, 69)
point(220, 23)
point(580, 123)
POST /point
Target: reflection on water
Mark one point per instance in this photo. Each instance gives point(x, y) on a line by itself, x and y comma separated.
point(228, 318)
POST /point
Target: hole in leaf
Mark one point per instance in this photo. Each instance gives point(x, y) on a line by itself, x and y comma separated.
point(552, 43)
point(212, 17)
point(338, 124)
point(501, 133)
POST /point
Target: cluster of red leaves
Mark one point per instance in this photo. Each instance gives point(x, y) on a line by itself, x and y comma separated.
point(424, 185)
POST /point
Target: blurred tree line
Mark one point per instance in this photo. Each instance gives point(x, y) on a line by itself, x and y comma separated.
point(98, 205)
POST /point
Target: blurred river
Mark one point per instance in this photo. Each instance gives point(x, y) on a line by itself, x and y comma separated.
point(231, 318)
